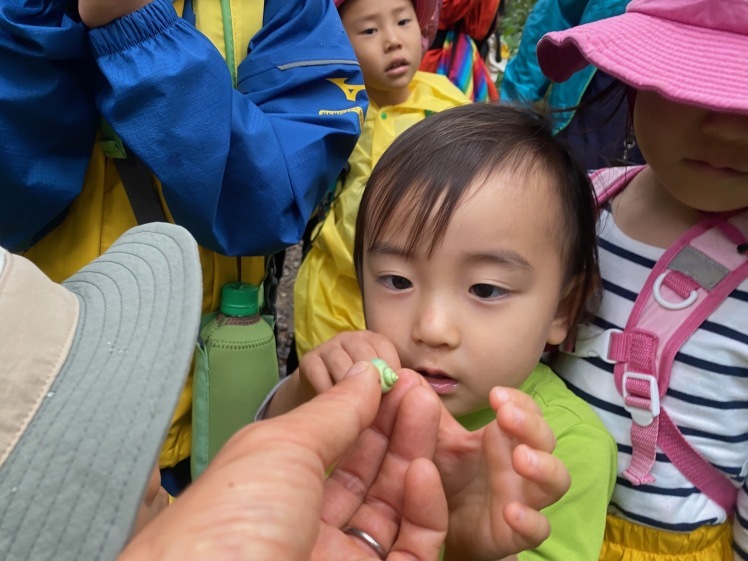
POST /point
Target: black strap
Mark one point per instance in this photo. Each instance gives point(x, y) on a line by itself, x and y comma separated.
point(137, 180)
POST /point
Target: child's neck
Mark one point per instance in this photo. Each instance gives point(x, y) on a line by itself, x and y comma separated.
point(381, 99)
point(646, 212)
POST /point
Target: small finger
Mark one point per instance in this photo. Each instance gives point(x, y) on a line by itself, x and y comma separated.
point(531, 528)
point(546, 471)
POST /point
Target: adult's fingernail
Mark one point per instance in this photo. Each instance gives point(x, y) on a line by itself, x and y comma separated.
point(501, 394)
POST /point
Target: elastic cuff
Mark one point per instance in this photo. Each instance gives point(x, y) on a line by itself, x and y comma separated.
point(130, 30)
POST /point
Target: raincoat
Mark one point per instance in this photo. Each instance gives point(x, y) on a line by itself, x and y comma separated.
point(244, 151)
point(327, 299)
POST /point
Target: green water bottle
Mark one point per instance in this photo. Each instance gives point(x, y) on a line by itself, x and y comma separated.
point(236, 366)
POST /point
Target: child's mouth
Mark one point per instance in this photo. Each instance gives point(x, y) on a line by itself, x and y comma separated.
point(439, 382)
point(397, 68)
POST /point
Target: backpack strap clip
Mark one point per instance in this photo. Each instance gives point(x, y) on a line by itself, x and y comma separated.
point(641, 397)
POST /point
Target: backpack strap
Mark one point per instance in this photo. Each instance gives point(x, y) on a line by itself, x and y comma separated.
point(137, 180)
point(608, 182)
point(689, 281)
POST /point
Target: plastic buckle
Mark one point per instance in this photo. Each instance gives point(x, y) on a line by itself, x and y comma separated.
point(642, 417)
point(595, 345)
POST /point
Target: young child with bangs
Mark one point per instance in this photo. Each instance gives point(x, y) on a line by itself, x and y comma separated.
point(474, 250)
point(389, 38)
point(664, 360)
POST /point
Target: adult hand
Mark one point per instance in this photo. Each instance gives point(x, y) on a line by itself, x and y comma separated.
point(326, 364)
point(265, 495)
point(95, 13)
point(498, 478)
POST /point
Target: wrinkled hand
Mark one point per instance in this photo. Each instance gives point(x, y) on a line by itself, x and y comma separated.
point(95, 13)
point(325, 365)
point(498, 478)
point(265, 496)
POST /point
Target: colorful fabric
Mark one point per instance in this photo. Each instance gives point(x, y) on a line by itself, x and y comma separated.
point(459, 60)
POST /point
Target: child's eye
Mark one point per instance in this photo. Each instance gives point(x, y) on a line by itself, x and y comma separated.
point(369, 31)
point(487, 291)
point(405, 21)
point(395, 282)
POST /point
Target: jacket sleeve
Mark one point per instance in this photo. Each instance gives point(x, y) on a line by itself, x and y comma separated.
point(48, 118)
point(243, 168)
point(523, 80)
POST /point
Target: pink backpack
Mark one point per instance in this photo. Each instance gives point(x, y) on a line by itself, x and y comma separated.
point(691, 279)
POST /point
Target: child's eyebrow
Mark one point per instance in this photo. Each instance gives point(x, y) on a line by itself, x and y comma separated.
point(504, 257)
point(381, 247)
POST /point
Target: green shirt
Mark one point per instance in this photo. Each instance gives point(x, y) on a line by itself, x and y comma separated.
point(589, 453)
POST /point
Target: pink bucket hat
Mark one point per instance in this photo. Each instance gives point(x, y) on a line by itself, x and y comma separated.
point(427, 12)
point(689, 51)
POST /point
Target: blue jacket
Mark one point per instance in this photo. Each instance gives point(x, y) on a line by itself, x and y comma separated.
point(242, 169)
point(524, 82)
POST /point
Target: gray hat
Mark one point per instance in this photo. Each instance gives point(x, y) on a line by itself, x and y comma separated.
point(90, 373)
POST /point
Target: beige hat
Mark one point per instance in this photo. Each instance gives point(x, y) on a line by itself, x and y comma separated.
point(90, 373)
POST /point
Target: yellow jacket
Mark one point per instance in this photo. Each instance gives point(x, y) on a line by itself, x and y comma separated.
point(326, 295)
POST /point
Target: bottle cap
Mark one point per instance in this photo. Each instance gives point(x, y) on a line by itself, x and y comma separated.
point(239, 299)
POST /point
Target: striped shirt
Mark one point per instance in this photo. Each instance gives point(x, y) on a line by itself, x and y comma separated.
point(707, 397)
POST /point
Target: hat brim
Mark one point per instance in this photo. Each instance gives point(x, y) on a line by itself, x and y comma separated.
point(683, 63)
point(71, 487)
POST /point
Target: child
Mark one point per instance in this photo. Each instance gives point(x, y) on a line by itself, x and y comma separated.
point(685, 395)
point(389, 40)
point(474, 250)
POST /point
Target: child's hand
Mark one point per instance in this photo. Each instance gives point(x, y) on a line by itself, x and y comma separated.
point(498, 478)
point(95, 13)
point(326, 364)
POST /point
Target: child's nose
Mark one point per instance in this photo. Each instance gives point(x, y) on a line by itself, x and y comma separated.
point(435, 326)
point(727, 126)
point(392, 41)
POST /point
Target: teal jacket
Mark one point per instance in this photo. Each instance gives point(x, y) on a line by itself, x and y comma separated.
point(524, 82)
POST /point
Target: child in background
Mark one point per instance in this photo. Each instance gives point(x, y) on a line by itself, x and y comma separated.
point(475, 248)
point(389, 38)
point(685, 390)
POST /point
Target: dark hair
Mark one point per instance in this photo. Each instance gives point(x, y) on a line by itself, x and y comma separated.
point(427, 170)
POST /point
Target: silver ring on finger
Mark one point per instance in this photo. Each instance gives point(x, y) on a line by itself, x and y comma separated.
point(367, 539)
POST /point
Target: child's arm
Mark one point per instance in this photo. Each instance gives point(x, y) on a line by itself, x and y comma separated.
point(498, 478)
point(325, 365)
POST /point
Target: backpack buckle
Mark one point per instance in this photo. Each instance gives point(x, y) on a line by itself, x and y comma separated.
point(641, 397)
point(592, 342)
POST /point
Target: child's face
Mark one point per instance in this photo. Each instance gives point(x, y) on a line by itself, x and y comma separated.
point(478, 312)
point(700, 157)
point(386, 38)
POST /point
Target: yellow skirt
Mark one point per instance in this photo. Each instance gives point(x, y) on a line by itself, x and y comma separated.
point(626, 541)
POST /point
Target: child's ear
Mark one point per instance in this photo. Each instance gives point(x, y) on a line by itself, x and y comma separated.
point(565, 313)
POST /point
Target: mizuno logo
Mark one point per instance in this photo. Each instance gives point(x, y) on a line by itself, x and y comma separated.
point(350, 91)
